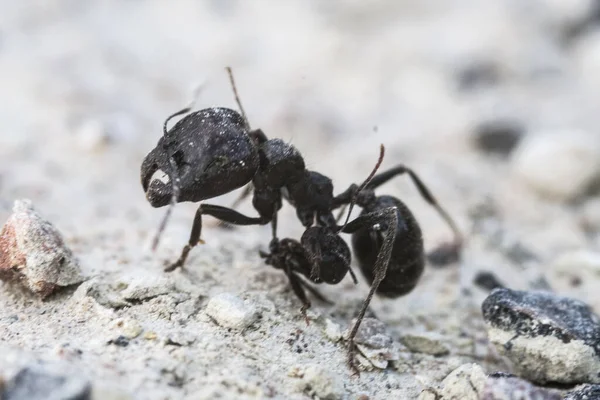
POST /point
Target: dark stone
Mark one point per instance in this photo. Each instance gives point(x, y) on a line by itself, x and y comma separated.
point(478, 75)
point(37, 384)
point(444, 255)
point(534, 314)
point(584, 392)
point(498, 136)
point(120, 341)
point(486, 280)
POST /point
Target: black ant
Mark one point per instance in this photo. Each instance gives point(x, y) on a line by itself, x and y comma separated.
point(386, 239)
point(213, 151)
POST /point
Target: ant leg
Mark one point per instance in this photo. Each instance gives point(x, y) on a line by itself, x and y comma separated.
point(243, 195)
point(389, 216)
point(446, 253)
point(223, 213)
point(383, 177)
point(274, 225)
point(297, 288)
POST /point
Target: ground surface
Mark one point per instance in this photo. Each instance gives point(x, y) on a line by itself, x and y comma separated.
point(86, 86)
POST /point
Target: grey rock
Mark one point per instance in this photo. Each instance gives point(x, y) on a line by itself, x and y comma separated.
point(513, 388)
point(425, 342)
point(467, 382)
point(33, 253)
point(584, 392)
point(34, 383)
point(548, 338)
point(373, 333)
point(375, 344)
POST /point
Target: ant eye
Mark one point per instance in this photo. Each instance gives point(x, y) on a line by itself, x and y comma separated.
point(178, 157)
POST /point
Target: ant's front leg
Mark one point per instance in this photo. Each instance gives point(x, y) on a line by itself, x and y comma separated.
point(224, 214)
point(387, 217)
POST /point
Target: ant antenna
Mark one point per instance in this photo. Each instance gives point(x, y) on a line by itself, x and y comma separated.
point(364, 184)
point(174, 176)
point(237, 96)
point(186, 110)
point(174, 198)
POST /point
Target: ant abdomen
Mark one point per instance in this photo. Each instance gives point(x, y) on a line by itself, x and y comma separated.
point(407, 261)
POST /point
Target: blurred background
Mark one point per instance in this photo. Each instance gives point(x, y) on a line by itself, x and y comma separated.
point(495, 104)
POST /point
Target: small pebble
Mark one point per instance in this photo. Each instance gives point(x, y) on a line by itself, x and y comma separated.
point(129, 328)
point(467, 382)
point(426, 343)
point(373, 333)
point(322, 382)
point(91, 135)
point(229, 311)
point(33, 253)
point(181, 338)
point(374, 344)
point(120, 341)
point(333, 331)
point(444, 255)
point(548, 338)
point(560, 165)
point(486, 280)
point(34, 383)
point(499, 136)
point(477, 75)
point(140, 287)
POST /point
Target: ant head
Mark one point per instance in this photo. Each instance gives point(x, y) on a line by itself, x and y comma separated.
point(207, 153)
point(328, 251)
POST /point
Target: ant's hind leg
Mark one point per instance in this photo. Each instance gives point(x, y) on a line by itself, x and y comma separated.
point(389, 216)
point(446, 253)
point(224, 214)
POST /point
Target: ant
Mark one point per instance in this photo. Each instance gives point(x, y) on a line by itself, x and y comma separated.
point(386, 240)
point(214, 151)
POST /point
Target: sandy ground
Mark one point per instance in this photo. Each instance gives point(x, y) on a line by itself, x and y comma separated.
point(85, 87)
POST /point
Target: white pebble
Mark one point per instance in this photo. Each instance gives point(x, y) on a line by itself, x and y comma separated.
point(92, 135)
point(560, 164)
point(333, 331)
point(230, 311)
point(322, 382)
